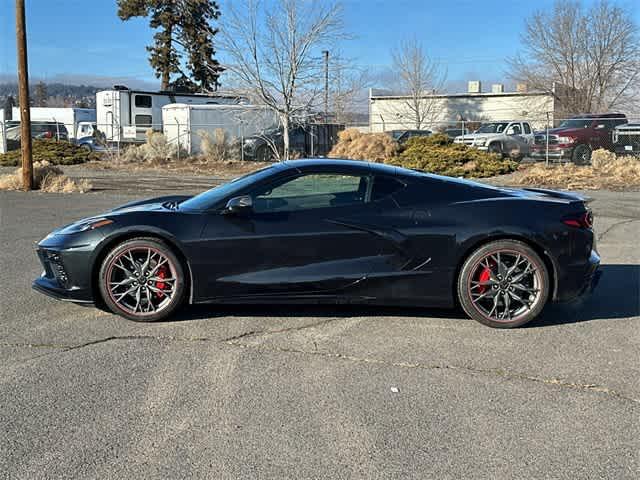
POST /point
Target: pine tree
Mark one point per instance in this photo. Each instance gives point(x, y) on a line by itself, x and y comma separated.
point(184, 30)
point(197, 36)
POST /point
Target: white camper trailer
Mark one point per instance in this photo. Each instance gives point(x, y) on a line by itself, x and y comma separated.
point(125, 115)
point(185, 124)
point(71, 117)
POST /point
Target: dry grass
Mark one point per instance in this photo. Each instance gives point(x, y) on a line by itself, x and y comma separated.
point(156, 151)
point(219, 147)
point(607, 171)
point(46, 178)
point(374, 147)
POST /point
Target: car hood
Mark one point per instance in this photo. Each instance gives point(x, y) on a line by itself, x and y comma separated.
point(568, 132)
point(478, 135)
point(157, 203)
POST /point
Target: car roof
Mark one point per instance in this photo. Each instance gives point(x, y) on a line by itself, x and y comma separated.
point(343, 164)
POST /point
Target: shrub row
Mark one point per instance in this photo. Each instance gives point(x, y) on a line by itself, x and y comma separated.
point(434, 154)
point(51, 151)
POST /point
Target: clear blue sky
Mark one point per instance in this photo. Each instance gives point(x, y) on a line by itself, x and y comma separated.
point(84, 39)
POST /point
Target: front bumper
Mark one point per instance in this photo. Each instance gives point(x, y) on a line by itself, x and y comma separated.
point(627, 149)
point(67, 272)
point(52, 289)
point(553, 153)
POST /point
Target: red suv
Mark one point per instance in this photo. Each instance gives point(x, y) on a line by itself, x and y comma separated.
point(574, 139)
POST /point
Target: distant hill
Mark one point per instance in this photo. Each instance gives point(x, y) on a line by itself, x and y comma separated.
point(58, 94)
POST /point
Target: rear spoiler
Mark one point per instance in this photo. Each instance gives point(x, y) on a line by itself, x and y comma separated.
point(564, 195)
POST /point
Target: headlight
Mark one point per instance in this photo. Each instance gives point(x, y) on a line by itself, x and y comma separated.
point(84, 225)
point(566, 140)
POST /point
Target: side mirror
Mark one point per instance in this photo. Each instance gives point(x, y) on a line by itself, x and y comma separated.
point(239, 205)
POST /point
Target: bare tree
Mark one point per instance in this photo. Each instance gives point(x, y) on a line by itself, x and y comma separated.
point(418, 77)
point(274, 53)
point(589, 59)
point(348, 86)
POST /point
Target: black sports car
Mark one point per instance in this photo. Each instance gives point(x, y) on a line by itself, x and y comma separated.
point(331, 231)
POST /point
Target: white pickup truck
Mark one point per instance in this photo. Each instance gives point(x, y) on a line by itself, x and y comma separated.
point(507, 138)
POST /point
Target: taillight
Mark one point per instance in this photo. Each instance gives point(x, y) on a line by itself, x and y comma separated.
point(583, 220)
point(48, 135)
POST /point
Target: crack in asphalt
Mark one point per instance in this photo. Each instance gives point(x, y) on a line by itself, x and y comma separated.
point(260, 333)
point(611, 227)
point(465, 369)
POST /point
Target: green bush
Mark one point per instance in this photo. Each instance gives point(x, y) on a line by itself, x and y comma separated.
point(437, 154)
point(56, 153)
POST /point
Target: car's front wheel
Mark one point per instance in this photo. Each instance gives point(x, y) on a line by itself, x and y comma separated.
point(503, 284)
point(495, 148)
point(581, 155)
point(142, 279)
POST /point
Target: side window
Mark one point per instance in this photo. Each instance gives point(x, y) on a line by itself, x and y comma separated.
point(143, 101)
point(514, 129)
point(318, 190)
point(385, 186)
point(143, 121)
point(527, 128)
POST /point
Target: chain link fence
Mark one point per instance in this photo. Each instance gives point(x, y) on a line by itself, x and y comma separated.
point(566, 139)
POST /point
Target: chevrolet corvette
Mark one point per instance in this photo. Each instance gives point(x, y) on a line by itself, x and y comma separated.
point(331, 231)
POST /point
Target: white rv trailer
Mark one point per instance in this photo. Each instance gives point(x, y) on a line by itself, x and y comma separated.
point(185, 124)
point(71, 117)
point(125, 115)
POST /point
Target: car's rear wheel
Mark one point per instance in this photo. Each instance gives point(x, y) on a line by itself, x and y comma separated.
point(503, 284)
point(142, 279)
point(581, 155)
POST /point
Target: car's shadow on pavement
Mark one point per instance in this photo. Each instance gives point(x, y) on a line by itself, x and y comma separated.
point(617, 295)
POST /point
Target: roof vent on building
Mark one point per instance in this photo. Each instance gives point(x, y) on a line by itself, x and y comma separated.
point(522, 88)
point(474, 86)
point(497, 88)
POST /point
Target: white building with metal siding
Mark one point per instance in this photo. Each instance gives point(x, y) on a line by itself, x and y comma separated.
point(393, 112)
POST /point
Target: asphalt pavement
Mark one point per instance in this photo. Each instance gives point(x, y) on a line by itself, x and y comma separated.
point(315, 392)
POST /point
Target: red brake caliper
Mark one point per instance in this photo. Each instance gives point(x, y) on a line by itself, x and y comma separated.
point(485, 275)
point(162, 273)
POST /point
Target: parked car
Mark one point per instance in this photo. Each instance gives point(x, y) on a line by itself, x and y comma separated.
point(95, 142)
point(574, 139)
point(91, 144)
point(309, 140)
point(54, 130)
point(454, 132)
point(626, 139)
point(331, 231)
point(510, 138)
point(401, 136)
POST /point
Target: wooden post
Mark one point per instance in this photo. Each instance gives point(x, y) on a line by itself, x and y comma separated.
point(23, 90)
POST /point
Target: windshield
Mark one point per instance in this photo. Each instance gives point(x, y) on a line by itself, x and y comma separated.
point(396, 134)
point(577, 123)
point(497, 127)
point(209, 198)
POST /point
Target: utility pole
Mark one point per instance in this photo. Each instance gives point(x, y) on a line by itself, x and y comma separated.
point(326, 85)
point(23, 90)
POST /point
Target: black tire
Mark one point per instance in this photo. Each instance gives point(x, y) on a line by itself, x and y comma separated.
point(466, 284)
point(581, 155)
point(86, 147)
point(167, 306)
point(495, 148)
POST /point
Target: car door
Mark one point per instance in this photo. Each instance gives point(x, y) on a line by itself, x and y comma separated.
point(301, 237)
